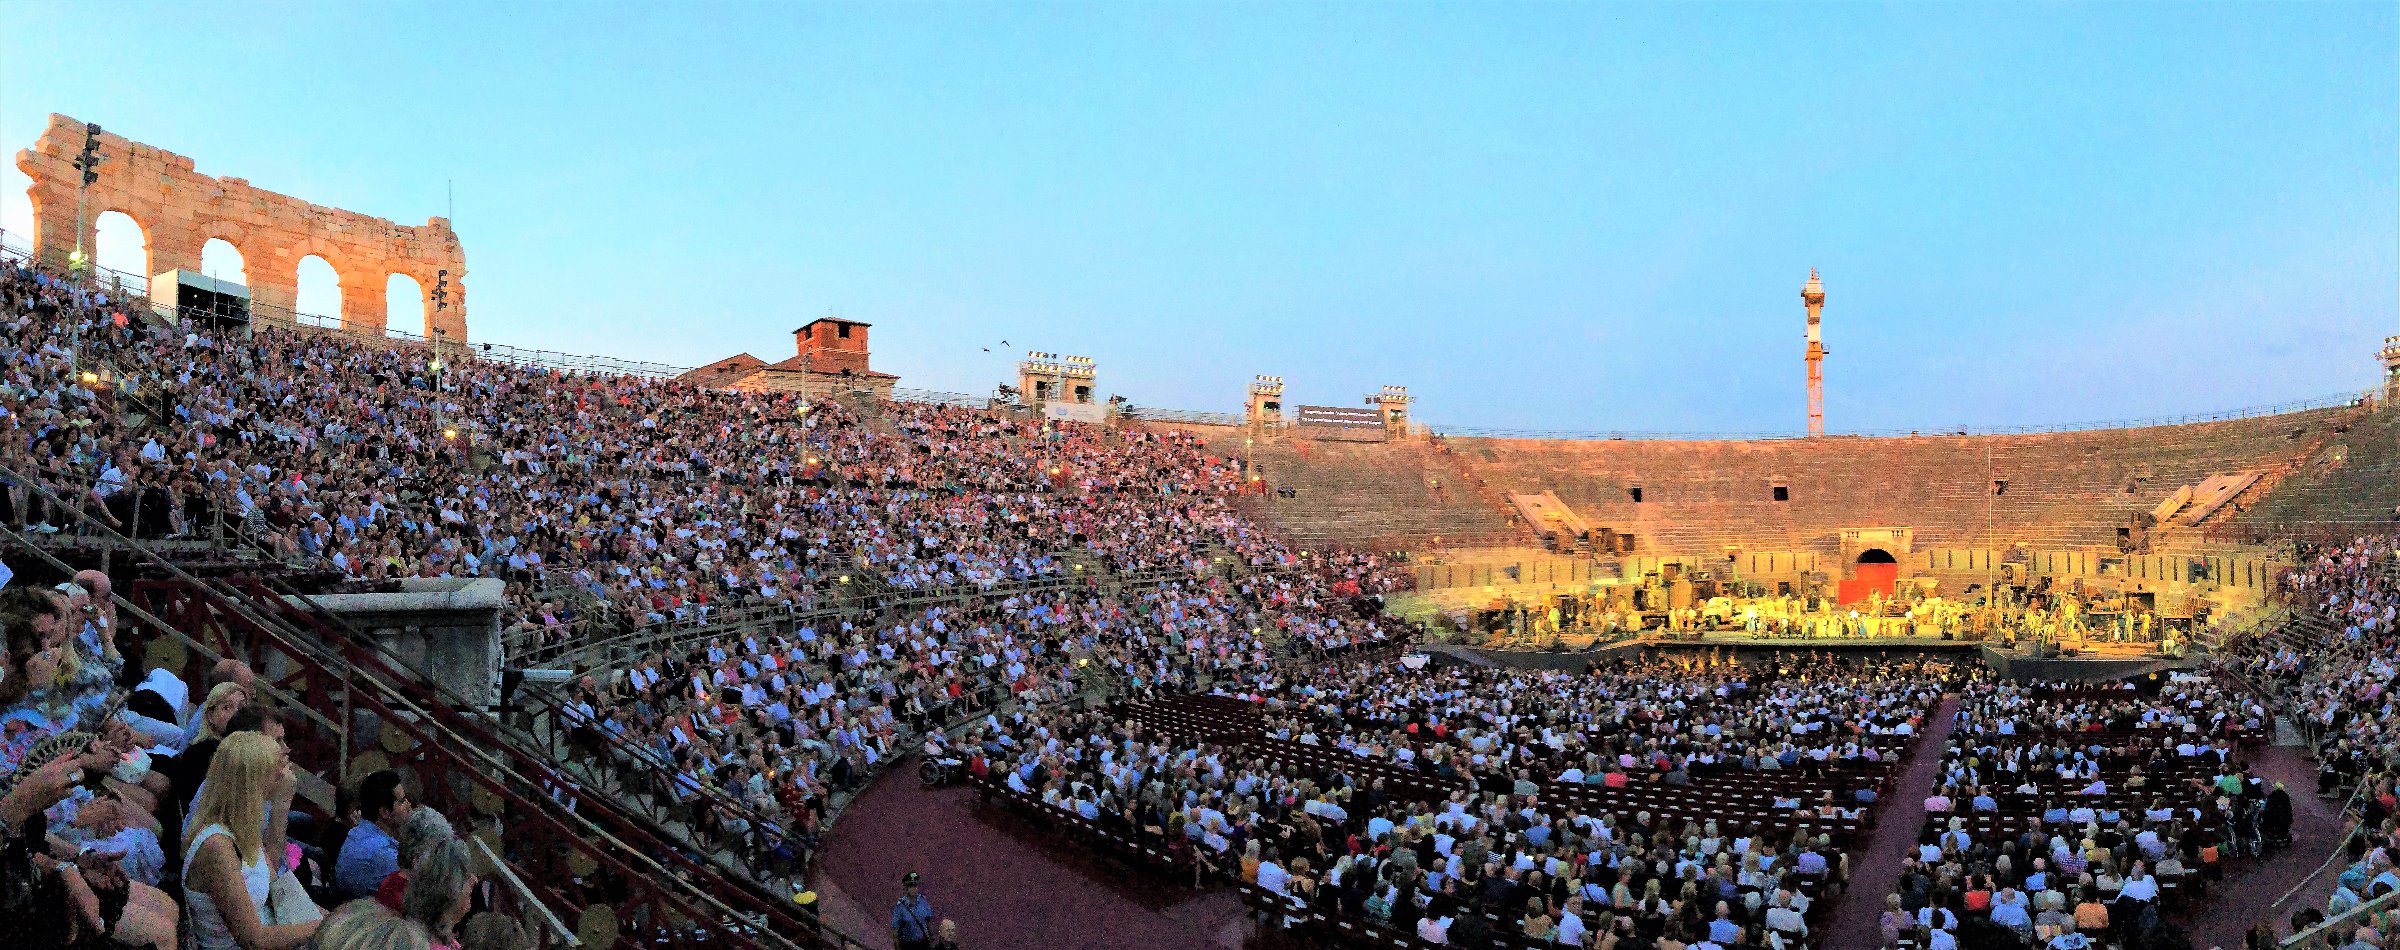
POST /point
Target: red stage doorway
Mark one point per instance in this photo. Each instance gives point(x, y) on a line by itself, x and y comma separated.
point(1876, 571)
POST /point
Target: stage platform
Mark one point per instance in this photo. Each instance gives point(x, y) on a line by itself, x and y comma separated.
point(2114, 662)
point(1737, 639)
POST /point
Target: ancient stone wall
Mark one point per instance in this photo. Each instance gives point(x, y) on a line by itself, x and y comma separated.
point(180, 210)
point(2059, 490)
point(2063, 491)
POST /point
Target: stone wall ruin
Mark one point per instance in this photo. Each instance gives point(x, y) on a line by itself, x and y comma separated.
point(179, 210)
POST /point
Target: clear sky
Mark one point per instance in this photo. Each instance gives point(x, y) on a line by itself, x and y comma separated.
point(1591, 216)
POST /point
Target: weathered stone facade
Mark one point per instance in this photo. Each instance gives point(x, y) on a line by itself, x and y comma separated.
point(447, 629)
point(180, 210)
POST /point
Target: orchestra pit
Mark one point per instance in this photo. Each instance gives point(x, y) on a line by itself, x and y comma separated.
point(516, 648)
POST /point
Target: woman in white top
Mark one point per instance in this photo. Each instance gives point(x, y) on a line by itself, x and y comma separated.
point(229, 862)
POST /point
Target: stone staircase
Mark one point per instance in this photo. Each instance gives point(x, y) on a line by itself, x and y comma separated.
point(2352, 477)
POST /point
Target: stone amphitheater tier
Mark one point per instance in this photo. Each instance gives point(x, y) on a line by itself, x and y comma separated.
point(2062, 489)
point(2351, 482)
point(1363, 494)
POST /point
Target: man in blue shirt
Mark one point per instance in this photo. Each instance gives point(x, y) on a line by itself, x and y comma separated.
point(1723, 930)
point(2010, 909)
point(912, 917)
point(372, 851)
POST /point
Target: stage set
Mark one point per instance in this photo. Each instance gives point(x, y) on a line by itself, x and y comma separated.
point(2021, 604)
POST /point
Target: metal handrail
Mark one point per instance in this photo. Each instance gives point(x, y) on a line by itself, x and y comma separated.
point(939, 398)
point(2323, 934)
point(525, 894)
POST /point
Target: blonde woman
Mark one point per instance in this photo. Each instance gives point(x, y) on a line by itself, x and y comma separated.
point(218, 709)
point(229, 862)
point(1753, 877)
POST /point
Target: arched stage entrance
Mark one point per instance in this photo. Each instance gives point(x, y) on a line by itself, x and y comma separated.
point(1877, 571)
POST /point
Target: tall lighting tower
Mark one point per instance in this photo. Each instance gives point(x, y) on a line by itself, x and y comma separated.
point(87, 162)
point(1812, 294)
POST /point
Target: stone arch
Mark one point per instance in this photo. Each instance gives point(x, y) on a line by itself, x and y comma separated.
point(317, 291)
point(120, 242)
point(183, 210)
point(175, 244)
point(1877, 572)
point(407, 307)
point(217, 264)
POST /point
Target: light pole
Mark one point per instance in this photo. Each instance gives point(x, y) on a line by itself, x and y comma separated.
point(87, 163)
point(441, 414)
point(807, 362)
point(441, 302)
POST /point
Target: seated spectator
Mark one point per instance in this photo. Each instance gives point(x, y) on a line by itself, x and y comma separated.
point(229, 863)
point(424, 829)
point(441, 888)
point(371, 852)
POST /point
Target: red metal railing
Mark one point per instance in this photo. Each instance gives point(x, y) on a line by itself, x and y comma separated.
point(579, 853)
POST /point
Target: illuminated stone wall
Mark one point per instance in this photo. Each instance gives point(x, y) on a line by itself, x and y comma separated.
point(180, 210)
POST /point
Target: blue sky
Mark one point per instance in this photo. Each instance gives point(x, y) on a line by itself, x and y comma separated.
point(1556, 216)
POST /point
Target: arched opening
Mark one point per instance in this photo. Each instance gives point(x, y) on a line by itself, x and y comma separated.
point(221, 260)
point(121, 251)
point(1876, 573)
point(320, 291)
point(404, 305)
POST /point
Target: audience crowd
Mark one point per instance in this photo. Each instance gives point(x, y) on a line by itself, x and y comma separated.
point(601, 502)
point(652, 500)
point(2332, 670)
point(2063, 815)
point(1024, 567)
point(1454, 804)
